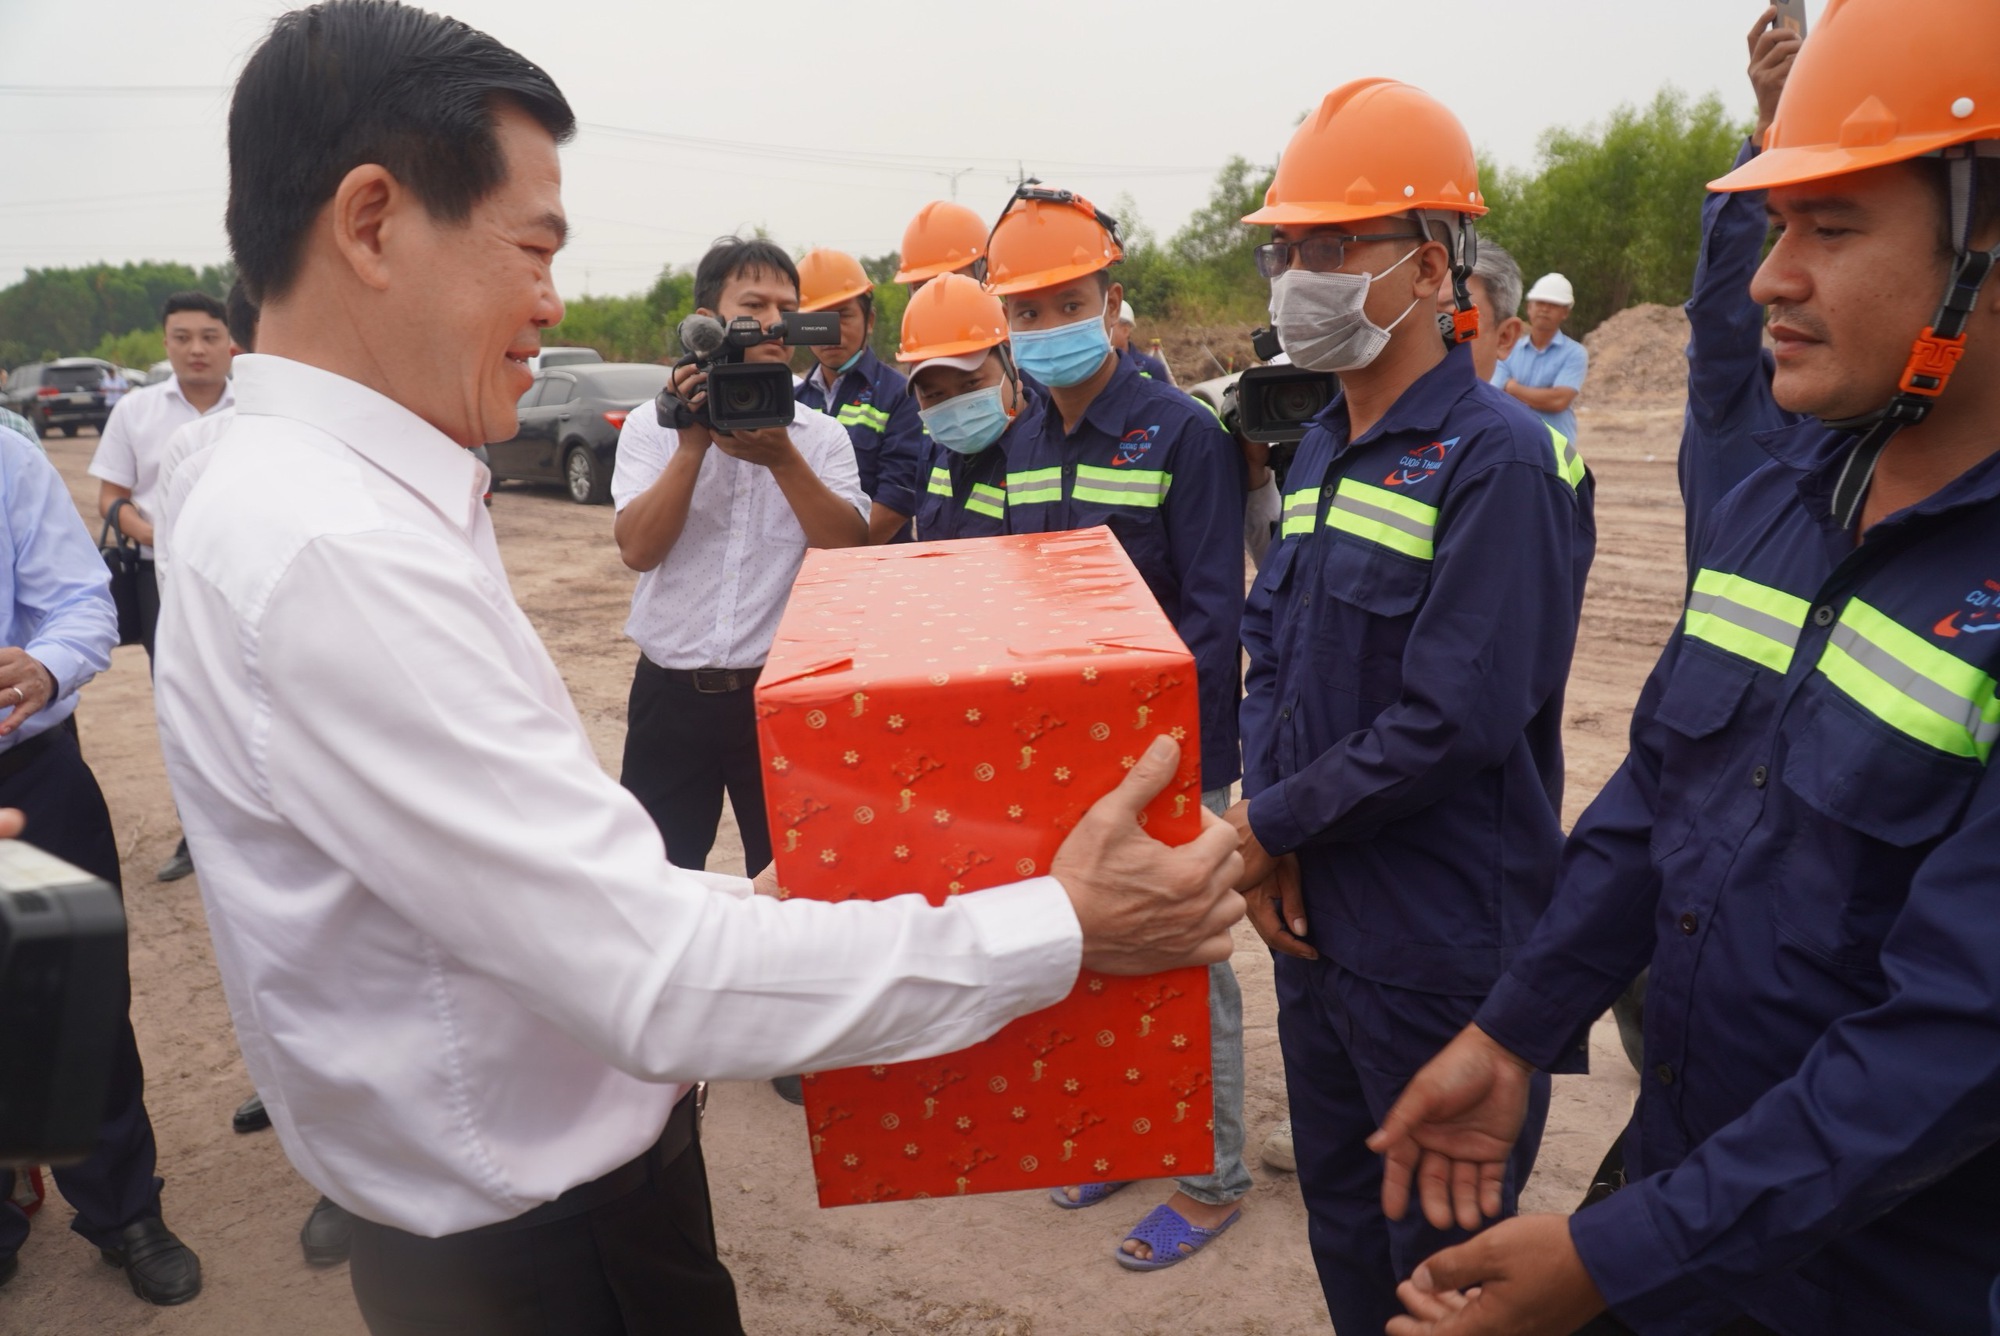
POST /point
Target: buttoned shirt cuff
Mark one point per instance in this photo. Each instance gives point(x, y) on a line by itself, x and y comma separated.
point(64, 665)
point(1639, 1275)
point(1532, 1026)
point(1274, 824)
point(1032, 939)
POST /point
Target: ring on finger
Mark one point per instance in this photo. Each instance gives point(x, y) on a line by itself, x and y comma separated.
point(20, 696)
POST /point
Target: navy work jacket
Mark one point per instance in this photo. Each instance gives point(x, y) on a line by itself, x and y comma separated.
point(873, 401)
point(1157, 468)
point(1410, 635)
point(1804, 841)
point(1729, 370)
point(965, 496)
point(1147, 365)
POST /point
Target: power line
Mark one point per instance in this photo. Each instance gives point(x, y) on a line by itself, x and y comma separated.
point(111, 90)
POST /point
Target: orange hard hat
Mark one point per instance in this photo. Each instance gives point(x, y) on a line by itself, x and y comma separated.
point(1878, 82)
point(1046, 237)
point(1375, 147)
point(828, 278)
point(942, 239)
point(952, 316)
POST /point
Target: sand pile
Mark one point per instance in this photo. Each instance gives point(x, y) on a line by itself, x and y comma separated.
point(1638, 356)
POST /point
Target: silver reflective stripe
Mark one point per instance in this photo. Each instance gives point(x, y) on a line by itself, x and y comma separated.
point(1738, 614)
point(1933, 696)
point(1354, 505)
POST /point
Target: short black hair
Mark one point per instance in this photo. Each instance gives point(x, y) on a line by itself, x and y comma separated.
point(732, 256)
point(348, 82)
point(193, 301)
point(242, 317)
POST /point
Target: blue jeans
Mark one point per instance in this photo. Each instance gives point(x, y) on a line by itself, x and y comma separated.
point(1231, 1179)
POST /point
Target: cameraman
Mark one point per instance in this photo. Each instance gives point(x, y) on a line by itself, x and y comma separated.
point(717, 525)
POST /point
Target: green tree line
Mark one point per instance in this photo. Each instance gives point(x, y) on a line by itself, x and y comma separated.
point(1615, 206)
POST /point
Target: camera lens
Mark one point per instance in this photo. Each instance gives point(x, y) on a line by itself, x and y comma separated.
point(1297, 401)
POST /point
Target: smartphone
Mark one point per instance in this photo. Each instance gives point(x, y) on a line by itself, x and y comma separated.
point(1792, 14)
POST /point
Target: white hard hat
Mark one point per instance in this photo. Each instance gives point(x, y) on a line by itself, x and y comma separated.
point(1125, 316)
point(1554, 289)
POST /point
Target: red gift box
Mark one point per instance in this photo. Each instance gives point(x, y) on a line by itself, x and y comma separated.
point(935, 718)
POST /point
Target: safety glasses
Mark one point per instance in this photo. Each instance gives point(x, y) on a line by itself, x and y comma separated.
point(1320, 253)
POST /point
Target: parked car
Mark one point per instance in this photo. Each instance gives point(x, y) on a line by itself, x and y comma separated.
point(550, 358)
point(156, 373)
point(65, 395)
point(569, 424)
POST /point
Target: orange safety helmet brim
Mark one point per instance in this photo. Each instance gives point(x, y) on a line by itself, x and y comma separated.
point(942, 239)
point(1042, 242)
point(951, 317)
point(1878, 83)
point(1374, 148)
point(829, 277)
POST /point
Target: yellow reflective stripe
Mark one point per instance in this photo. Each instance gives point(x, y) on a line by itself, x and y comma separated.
point(863, 415)
point(1034, 487)
point(1300, 514)
point(1911, 685)
point(1145, 488)
point(987, 500)
point(940, 481)
point(1569, 463)
point(1383, 517)
point(1752, 621)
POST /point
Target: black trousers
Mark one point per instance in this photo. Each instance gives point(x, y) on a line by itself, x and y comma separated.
point(149, 607)
point(67, 817)
point(642, 1263)
point(683, 748)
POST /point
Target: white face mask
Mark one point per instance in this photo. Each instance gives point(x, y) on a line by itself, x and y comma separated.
point(1321, 321)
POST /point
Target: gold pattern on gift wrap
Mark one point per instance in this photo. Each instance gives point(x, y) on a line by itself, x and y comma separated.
point(910, 1149)
point(904, 799)
point(1027, 757)
point(1026, 867)
point(963, 1123)
point(901, 853)
point(1072, 1085)
point(1169, 1159)
point(1019, 1114)
point(1061, 775)
point(1132, 1075)
point(930, 1107)
point(878, 1071)
point(819, 1143)
point(1145, 1026)
point(1090, 674)
point(983, 772)
point(1014, 812)
point(1145, 713)
point(1101, 1165)
point(829, 857)
point(1105, 1038)
point(998, 1085)
point(851, 1160)
point(895, 723)
point(1127, 762)
point(1142, 1125)
point(1039, 1067)
point(963, 1184)
point(1069, 1149)
point(1180, 1111)
point(1177, 733)
point(851, 758)
point(780, 764)
point(1029, 1164)
point(942, 816)
point(1017, 680)
point(890, 1122)
point(1180, 804)
point(974, 715)
point(858, 706)
point(864, 815)
point(791, 841)
point(815, 718)
point(939, 679)
point(953, 888)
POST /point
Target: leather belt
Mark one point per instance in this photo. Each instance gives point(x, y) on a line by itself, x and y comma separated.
point(711, 681)
point(627, 1178)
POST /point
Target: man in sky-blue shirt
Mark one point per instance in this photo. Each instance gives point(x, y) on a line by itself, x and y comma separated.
point(1545, 371)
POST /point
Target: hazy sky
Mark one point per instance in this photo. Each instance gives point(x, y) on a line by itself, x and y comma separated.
point(827, 123)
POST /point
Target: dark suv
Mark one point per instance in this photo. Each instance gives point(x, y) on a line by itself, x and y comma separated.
point(65, 395)
point(569, 424)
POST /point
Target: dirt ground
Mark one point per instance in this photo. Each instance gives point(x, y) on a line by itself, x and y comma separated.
point(994, 1266)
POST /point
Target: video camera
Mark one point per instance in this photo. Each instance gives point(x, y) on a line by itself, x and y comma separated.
point(743, 396)
point(62, 964)
point(1274, 403)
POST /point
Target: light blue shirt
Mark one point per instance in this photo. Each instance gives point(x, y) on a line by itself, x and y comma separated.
point(1563, 362)
point(55, 593)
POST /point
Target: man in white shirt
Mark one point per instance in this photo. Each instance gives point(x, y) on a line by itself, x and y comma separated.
point(717, 525)
point(464, 977)
point(134, 442)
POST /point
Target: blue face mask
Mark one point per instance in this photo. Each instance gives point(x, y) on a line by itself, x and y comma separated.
point(1064, 356)
point(969, 423)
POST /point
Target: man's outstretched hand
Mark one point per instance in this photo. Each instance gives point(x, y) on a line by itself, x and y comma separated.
point(1451, 1131)
point(1520, 1278)
point(1145, 906)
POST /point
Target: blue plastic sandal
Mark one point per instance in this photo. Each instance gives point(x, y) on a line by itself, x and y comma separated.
point(1165, 1231)
point(1088, 1194)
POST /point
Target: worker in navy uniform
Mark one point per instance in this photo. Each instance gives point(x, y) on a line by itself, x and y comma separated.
point(1804, 839)
point(971, 400)
point(866, 395)
point(1410, 636)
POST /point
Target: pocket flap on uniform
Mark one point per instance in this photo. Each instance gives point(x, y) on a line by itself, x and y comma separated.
point(1374, 578)
point(1703, 693)
point(1854, 770)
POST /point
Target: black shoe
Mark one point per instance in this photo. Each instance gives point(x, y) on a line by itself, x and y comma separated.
point(161, 1268)
point(8, 1266)
point(178, 865)
point(250, 1115)
point(790, 1088)
point(327, 1235)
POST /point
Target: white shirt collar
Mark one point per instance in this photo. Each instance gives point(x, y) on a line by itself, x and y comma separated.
point(369, 423)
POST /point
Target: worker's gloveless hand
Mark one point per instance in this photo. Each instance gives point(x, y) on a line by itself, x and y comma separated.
point(1258, 865)
point(770, 447)
point(1772, 51)
point(1277, 910)
point(1451, 1131)
point(1520, 1278)
point(1145, 906)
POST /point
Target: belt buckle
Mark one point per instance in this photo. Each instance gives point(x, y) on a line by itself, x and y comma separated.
point(715, 681)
